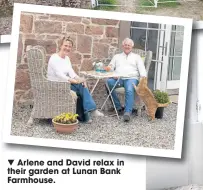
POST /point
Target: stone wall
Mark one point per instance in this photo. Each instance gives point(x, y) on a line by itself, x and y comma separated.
point(93, 39)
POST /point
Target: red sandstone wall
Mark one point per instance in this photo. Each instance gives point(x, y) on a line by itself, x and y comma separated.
point(93, 39)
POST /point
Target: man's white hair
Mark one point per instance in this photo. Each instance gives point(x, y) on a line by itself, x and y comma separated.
point(129, 41)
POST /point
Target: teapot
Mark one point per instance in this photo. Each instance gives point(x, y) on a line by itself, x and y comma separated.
point(98, 66)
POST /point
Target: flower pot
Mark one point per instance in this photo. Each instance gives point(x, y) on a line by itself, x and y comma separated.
point(65, 128)
point(159, 113)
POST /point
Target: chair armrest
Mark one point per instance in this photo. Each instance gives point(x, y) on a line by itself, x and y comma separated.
point(59, 90)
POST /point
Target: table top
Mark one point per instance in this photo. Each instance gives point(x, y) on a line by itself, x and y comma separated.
point(101, 75)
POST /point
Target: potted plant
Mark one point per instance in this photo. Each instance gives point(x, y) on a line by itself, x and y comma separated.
point(163, 99)
point(65, 122)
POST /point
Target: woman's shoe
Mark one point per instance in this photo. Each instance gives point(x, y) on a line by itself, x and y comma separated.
point(97, 113)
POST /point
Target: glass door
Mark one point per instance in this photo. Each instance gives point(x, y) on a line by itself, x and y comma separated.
point(162, 57)
point(170, 55)
point(175, 57)
point(145, 37)
point(165, 41)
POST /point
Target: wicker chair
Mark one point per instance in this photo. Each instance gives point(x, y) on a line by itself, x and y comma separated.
point(50, 98)
point(147, 61)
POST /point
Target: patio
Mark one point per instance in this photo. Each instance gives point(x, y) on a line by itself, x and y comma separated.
point(139, 132)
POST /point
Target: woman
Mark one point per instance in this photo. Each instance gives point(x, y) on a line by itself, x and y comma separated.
point(60, 69)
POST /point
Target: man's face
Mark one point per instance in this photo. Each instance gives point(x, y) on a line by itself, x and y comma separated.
point(66, 47)
point(127, 47)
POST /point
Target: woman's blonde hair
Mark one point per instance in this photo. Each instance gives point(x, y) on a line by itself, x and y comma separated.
point(66, 39)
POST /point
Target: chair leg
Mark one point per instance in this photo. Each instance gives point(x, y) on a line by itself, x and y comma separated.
point(31, 119)
point(139, 111)
point(139, 107)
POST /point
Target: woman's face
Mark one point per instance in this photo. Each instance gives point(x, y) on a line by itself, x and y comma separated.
point(66, 48)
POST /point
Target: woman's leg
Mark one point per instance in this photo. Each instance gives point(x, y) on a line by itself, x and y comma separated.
point(88, 102)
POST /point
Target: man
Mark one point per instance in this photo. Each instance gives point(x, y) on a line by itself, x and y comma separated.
point(130, 65)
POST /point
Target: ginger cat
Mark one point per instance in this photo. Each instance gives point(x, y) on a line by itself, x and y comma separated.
point(147, 97)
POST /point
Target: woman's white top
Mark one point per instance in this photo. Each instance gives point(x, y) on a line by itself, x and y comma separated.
point(60, 69)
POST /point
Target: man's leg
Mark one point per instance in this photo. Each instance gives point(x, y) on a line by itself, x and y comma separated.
point(129, 97)
point(111, 83)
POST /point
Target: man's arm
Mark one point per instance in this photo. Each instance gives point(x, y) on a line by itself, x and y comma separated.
point(112, 64)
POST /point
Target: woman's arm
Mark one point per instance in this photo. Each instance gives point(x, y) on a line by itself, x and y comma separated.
point(56, 73)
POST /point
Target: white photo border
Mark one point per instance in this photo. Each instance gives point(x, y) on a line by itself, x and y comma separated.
point(198, 27)
point(8, 138)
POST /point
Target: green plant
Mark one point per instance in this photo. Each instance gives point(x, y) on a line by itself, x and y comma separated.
point(66, 118)
point(106, 4)
point(161, 97)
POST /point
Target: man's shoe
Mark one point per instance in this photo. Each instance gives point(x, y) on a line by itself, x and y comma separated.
point(135, 111)
point(126, 117)
point(120, 112)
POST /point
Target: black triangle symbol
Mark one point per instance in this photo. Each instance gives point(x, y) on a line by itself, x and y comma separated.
point(10, 162)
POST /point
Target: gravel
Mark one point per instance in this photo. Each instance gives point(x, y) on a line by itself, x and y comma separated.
point(139, 132)
point(5, 25)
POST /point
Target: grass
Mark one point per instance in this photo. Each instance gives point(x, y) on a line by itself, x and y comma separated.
point(107, 5)
point(161, 4)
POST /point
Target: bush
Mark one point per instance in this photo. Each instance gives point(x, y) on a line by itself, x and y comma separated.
point(161, 97)
point(66, 118)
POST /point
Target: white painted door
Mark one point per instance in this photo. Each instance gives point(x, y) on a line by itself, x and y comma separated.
point(169, 57)
point(162, 57)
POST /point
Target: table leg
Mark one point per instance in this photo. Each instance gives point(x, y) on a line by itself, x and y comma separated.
point(110, 92)
point(94, 86)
